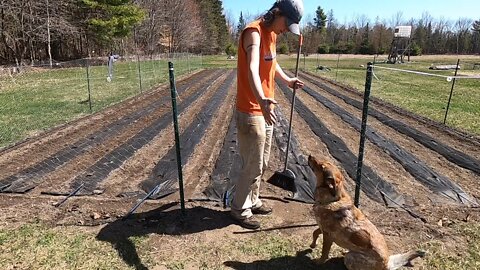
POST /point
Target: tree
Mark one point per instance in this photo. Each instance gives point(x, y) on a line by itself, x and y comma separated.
point(214, 26)
point(320, 20)
point(476, 36)
point(108, 19)
point(241, 25)
point(462, 26)
point(231, 50)
point(331, 26)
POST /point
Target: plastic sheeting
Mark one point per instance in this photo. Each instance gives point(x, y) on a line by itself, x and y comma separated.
point(164, 176)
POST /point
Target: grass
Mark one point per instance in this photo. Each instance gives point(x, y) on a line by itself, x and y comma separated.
point(38, 99)
point(35, 246)
point(423, 95)
point(442, 257)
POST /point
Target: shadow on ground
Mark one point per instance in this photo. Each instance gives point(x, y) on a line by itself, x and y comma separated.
point(302, 261)
point(167, 219)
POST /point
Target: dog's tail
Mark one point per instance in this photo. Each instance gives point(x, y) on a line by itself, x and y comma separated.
point(405, 259)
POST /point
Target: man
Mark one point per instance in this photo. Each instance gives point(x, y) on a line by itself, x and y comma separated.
point(256, 70)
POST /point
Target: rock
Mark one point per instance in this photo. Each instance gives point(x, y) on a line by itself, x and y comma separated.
point(98, 191)
point(95, 216)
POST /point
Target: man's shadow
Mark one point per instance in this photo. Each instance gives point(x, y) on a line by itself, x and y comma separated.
point(160, 221)
point(302, 261)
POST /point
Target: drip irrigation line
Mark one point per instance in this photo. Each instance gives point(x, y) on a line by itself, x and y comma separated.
point(70, 195)
point(140, 202)
point(413, 214)
point(2, 188)
point(449, 78)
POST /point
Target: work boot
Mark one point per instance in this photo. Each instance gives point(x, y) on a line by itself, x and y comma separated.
point(248, 223)
point(262, 210)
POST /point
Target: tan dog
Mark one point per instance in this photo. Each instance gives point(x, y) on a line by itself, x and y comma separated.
point(344, 224)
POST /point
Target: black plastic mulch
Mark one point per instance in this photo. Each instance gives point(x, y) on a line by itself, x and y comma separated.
point(372, 184)
point(164, 175)
point(29, 178)
point(114, 159)
point(221, 179)
point(436, 182)
point(451, 154)
point(305, 180)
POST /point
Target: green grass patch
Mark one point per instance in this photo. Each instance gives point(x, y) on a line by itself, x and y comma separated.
point(442, 256)
point(424, 95)
point(39, 99)
point(35, 246)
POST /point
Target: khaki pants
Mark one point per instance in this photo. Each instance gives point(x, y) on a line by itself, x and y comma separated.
point(254, 139)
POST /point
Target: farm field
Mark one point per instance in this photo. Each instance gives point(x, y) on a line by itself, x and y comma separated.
point(115, 156)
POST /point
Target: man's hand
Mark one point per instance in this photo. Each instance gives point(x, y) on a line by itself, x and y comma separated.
point(267, 105)
point(295, 83)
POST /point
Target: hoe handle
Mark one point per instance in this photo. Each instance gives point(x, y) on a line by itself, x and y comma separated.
point(300, 42)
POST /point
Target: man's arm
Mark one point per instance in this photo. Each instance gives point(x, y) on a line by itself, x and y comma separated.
point(291, 82)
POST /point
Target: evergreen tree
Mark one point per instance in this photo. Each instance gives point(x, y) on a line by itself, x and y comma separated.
point(476, 36)
point(221, 23)
point(241, 25)
point(365, 46)
point(215, 30)
point(320, 19)
point(108, 19)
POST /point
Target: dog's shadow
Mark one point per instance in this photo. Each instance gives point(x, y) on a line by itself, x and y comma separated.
point(302, 261)
point(159, 221)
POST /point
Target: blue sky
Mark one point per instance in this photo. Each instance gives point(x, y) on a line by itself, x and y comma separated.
point(346, 11)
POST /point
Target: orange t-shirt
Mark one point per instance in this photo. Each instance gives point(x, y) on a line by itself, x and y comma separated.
point(246, 101)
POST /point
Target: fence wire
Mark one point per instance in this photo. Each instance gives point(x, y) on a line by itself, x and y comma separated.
point(36, 97)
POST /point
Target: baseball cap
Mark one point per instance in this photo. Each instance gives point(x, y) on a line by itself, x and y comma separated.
point(293, 10)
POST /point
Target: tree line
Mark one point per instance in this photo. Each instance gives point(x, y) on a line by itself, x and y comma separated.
point(39, 30)
point(323, 34)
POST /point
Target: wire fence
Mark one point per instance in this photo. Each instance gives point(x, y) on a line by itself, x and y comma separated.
point(429, 86)
point(36, 97)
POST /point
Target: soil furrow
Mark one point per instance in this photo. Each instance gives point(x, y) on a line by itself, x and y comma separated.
point(372, 184)
point(125, 180)
point(90, 130)
point(451, 154)
point(164, 174)
point(88, 161)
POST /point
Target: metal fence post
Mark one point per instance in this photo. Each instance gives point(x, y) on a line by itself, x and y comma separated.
point(177, 137)
point(336, 72)
point(88, 85)
point(451, 92)
point(139, 73)
point(366, 97)
point(304, 62)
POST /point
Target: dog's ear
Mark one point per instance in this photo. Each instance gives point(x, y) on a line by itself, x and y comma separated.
point(313, 162)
